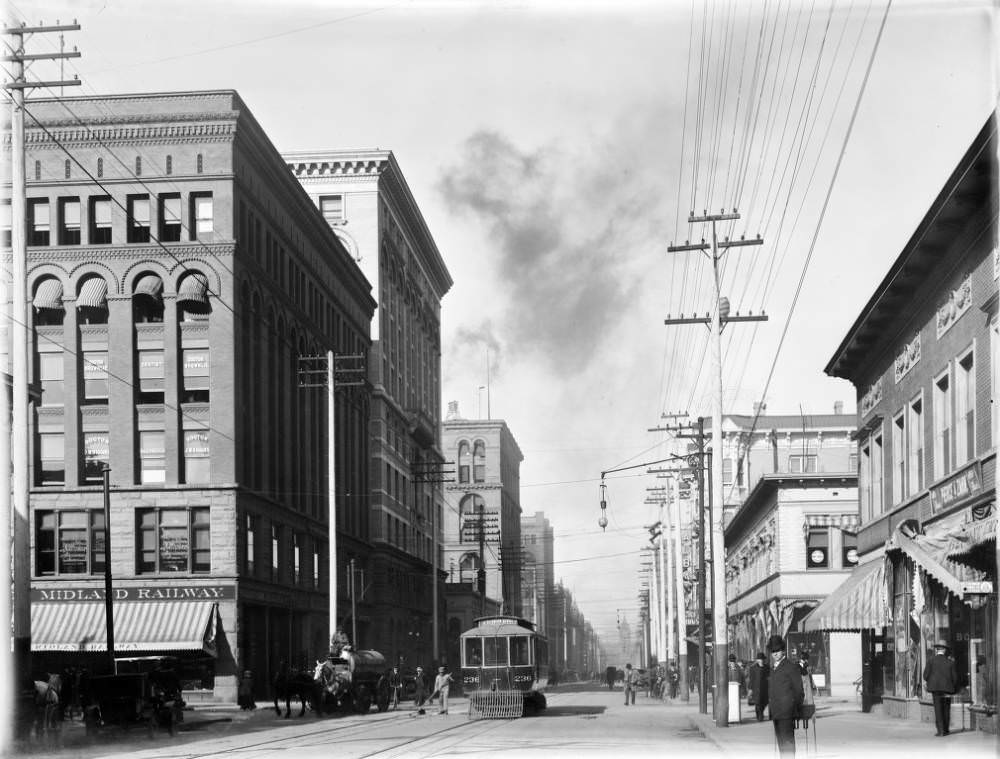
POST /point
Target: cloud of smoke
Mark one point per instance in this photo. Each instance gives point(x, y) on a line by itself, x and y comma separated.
point(563, 227)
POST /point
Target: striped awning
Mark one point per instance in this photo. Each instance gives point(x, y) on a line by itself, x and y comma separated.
point(193, 289)
point(845, 522)
point(49, 295)
point(139, 626)
point(93, 294)
point(968, 541)
point(861, 602)
point(149, 284)
point(931, 555)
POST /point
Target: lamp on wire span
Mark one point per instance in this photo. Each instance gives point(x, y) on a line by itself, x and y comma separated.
point(603, 521)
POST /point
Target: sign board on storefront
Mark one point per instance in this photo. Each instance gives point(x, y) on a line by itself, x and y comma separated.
point(961, 486)
point(147, 593)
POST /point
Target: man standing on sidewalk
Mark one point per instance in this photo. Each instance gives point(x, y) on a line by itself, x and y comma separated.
point(784, 692)
point(942, 681)
point(757, 685)
point(630, 683)
point(442, 683)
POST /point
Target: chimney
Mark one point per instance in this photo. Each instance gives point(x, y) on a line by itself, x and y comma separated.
point(452, 411)
point(838, 408)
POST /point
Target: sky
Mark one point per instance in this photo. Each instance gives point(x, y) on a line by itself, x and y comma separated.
point(556, 149)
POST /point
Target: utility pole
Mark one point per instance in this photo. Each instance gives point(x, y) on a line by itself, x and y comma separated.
point(109, 617)
point(322, 371)
point(430, 472)
point(720, 649)
point(681, 606)
point(14, 428)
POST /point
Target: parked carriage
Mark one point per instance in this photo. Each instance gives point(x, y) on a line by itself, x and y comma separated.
point(354, 682)
point(505, 667)
point(144, 691)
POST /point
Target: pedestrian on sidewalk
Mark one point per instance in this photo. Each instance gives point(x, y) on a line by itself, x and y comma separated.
point(631, 681)
point(785, 694)
point(441, 685)
point(420, 690)
point(244, 694)
point(757, 685)
point(942, 681)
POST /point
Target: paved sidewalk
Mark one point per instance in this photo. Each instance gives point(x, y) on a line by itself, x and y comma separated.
point(841, 729)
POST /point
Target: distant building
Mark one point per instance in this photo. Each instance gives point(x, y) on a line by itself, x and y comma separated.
point(922, 355)
point(537, 570)
point(177, 272)
point(483, 511)
point(366, 201)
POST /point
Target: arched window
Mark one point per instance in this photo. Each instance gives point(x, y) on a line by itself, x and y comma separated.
point(479, 462)
point(147, 299)
point(473, 515)
point(92, 301)
point(468, 567)
point(48, 303)
point(192, 297)
point(463, 462)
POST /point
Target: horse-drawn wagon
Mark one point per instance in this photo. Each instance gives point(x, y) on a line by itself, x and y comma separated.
point(355, 681)
point(144, 691)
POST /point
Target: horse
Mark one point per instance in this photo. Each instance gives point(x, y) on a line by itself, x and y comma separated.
point(48, 712)
point(288, 684)
point(329, 684)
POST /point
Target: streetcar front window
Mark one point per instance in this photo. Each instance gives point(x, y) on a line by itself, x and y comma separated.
point(496, 652)
point(519, 651)
point(473, 652)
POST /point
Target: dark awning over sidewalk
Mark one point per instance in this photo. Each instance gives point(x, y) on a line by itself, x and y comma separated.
point(860, 603)
point(931, 555)
point(139, 626)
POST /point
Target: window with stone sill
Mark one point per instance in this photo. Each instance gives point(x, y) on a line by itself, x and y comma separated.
point(173, 540)
point(69, 542)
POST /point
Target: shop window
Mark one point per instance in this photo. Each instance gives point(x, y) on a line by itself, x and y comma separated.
point(69, 221)
point(38, 221)
point(52, 458)
point(915, 446)
point(196, 375)
point(100, 221)
point(196, 457)
point(818, 548)
point(69, 542)
point(50, 377)
point(173, 540)
point(150, 376)
point(152, 457)
point(479, 461)
point(170, 217)
point(849, 552)
point(95, 377)
point(803, 463)
point(95, 457)
point(965, 409)
point(138, 218)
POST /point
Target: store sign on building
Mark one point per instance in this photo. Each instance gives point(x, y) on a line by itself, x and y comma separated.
point(148, 593)
point(961, 486)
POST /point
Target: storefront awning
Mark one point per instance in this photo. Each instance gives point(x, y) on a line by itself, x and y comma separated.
point(194, 289)
point(93, 294)
point(151, 285)
point(931, 555)
point(139, 626)
point(845, 522)
point(861, 602)
point(49, 295)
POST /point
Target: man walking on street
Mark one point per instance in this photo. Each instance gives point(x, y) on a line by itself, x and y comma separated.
point(784, 693)
point(757, 685)
point(441, 685)
point(631, 680)
point(420, 690)
point(942, 682)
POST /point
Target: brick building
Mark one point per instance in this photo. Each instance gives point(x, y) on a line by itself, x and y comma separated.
point(365, 199)
point(537, 571)
point(922, 356)
point(176, 272)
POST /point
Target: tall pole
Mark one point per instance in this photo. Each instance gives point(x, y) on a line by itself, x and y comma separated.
point(667, 578)
point(679, 593)
point(109, 617)
point(481, 574)
point(702, 685)
point(657, 605)
point(354, 608)
point(434, 578)
point(331, 464)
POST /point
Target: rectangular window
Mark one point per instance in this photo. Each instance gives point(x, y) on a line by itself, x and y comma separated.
point(69, 221)
point(52, 461)
point(196, 457)
point(173, 540)
point(878, 467)
point(496, 652)
point(69, 542)
point(995, 379)
point(849, 550)
point(50, 376)
point(95, 376)
point(138, 218)
point(803, 463)
point(915, 445)
point(332, 208)
point(38, 221)
point(196, 375)
point(727, 471)
point(296, 559)
point(95, 457)
point(942, 425)
point(315, 568)
point(898, 459)
point(6, 224)
point(150, 376)
point(152, 457)
point(965, 409)
point(275, 551)
point(818, 548)
point(100, 221)
point(852, 462)
point(203, 213)
point(170, 218)
point(251, 544)
point(865, 483)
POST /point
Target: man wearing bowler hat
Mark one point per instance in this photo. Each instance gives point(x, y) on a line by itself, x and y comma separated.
point(784, 692)
point(942, 681)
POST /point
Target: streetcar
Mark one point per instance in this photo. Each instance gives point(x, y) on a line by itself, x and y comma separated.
point(505, 667)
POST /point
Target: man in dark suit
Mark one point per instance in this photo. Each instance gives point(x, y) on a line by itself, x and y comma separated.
point(942, 681)
point(757, 685)
point(784, 693)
